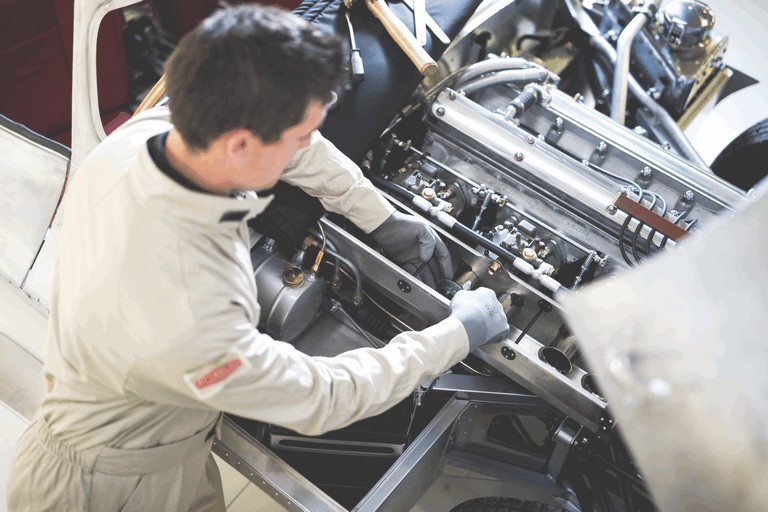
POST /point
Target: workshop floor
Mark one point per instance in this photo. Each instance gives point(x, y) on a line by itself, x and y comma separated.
point(240, 495)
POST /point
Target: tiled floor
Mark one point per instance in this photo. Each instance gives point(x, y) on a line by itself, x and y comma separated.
point(240, 495)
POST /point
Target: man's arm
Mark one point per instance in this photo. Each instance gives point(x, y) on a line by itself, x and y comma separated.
point(232, 367)
point(247, 373)
point(324, 172)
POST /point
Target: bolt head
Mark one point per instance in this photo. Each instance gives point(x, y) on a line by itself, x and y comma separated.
point(508, 353)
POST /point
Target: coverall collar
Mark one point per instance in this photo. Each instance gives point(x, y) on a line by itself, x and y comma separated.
point(152, 184)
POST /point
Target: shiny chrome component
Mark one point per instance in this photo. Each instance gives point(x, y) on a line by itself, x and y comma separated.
point(288, 302)
point(686, 23)
point(621, 67)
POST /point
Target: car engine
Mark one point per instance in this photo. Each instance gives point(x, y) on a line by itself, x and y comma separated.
point(542, 174)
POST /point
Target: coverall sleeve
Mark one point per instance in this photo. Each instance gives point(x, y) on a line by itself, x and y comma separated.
point(323, 171)
point(242, 371)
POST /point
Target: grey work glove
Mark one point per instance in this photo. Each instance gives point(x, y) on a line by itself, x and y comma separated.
point(481, 314)
point(410, 241)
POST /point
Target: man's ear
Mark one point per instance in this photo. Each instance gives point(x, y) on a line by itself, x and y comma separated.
point(240, 144)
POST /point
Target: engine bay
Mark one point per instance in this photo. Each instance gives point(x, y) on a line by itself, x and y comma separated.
point(537, 191)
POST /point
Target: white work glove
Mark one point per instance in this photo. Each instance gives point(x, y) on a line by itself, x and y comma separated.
point(410, 241)
point(481, 314)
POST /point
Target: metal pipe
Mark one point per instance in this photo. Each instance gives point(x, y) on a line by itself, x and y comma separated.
point(492, 66)
point(336, 306)
point(679, 140)
point(621, 67)
point(509, 76)
point(357, 298)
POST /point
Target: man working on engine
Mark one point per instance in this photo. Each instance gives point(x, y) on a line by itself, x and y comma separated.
point(152, 326)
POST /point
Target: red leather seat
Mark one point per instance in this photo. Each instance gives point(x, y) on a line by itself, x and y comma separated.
point(36, 66)
point(180, 16)
point(36, 60)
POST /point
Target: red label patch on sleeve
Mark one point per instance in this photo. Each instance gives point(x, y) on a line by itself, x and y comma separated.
point(218, 374)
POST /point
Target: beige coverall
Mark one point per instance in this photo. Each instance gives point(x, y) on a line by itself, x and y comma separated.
point(153, 333)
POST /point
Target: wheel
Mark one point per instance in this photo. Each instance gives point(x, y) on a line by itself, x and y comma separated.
point(503, 505)
point(742, 162)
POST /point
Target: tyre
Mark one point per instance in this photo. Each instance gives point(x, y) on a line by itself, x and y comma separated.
point(743, 161)
point(503, 505)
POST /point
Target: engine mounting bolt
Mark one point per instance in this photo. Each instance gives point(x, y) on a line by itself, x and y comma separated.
point(689, 195)
point(530, 139)
point(612, 209)
point(646, 172)
point(519, 156)
point(440, 111)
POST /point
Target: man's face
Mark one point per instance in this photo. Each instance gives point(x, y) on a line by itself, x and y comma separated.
point(268, 161)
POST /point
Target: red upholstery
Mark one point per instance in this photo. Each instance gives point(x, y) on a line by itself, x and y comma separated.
point(180, 16)
point(36, 65)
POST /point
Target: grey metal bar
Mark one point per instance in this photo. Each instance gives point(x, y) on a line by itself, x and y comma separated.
point(520, 362)
point(22, 385)
point(486, 389)
point(413, 473)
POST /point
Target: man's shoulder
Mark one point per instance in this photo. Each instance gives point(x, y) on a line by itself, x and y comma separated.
point(139, 128)
point(120, 149)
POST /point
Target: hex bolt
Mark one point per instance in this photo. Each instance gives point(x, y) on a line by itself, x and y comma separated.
point(689, 195)
point(602, 146)
point(440, 111)
point(519, 156)
point(612, 209)
point(646, 172)
point(452, 95)
point(530, 139)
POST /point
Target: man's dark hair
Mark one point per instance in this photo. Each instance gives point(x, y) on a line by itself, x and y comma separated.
point(250, 66)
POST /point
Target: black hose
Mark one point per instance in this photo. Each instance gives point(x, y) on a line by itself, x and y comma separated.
point(634, 240)
point(621, 241)
point(457, 228)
